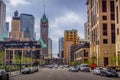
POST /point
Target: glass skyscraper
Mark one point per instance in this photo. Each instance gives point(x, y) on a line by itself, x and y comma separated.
point(27, 26)
point(2, 16)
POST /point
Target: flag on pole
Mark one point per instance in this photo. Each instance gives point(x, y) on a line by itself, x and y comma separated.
point(43, 45)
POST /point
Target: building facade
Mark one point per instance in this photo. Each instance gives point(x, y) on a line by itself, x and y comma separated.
point(70, 38)
point(49, 48)
point(86, 31)
point(117, 17)
point(44, 34)
point(2, 16)
point(82, 53)
point(16, 27)
point(61, 47)
point(101, 18)
point(14, 50)
point(27, 26)
point(83, 41)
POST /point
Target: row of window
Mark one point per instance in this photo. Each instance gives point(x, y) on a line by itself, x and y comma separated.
point(104, 6)
point(112, 17)
point(105, 27)
point(105, 41)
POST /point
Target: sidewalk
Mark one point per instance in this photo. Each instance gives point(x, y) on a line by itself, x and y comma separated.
point(15, 73)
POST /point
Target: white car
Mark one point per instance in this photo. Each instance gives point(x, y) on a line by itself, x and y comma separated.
point(84, 67)
point(97, 71)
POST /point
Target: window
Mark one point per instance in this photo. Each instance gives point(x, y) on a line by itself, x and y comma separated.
point(117, 17)
point(104, 6)
point(112, 16)
point(85, 53)
point(104, 17)
point(105, 41)
point(104, 29)
point(112, 6)
point(112, 27)
point(117, 31)
point(113, 33)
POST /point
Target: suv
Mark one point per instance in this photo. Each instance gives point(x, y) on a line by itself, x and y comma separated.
point(84, 67)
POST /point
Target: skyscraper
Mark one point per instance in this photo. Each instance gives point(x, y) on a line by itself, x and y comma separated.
point(117, 18)
point(101, 18)
point(27, 26)
point(70, 38)
point(61, 47)
point(2, 16)
point(44, 33)
point(86, 31)
point(7, 28)
point(16, 27)
point(49, 48)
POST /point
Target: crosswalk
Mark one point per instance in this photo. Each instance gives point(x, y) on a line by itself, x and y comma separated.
point(53, 69)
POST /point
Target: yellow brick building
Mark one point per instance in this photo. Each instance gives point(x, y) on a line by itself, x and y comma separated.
point(70, 38)
point(101, 18)
point(117, 21)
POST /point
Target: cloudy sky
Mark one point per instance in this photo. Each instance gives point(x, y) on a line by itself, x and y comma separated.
point(62, 15)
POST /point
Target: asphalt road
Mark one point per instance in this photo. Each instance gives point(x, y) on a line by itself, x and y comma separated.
point(60, 74)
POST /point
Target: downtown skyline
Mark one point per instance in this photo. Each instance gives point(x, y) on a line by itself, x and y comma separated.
point(70, 15)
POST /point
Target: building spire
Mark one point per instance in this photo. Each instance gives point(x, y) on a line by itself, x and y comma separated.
point(44, 6)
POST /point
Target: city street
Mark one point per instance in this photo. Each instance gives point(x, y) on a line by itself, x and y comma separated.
point(60, 74)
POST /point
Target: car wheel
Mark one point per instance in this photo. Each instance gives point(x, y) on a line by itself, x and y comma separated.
point(101, 74)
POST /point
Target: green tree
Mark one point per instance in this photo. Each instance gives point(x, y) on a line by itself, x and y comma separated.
point(1, 57)
point(17, 59)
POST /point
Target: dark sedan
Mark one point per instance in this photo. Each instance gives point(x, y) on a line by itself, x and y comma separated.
point(109, 72)
point(4, 75)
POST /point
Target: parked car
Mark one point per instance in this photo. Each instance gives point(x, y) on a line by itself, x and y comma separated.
point(50, 66)
point(97, 71)
point(26, 71)
point(109, 72)
point(73, 69)
point(55, 66)
point(35, 69)
point(117, 68)
point(84, 67)
point(4, 75)
point(66, 66)
point(61, 66)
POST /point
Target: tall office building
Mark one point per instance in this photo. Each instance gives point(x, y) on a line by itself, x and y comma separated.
point(117, 17)
point(86, 31)
point(16, 27)
point(27, 26)
point(49, 48)
point(61, 47)
point(44, 34)
point(7, 28)
point(2, 16)
point(101, 18)
point(70, 38)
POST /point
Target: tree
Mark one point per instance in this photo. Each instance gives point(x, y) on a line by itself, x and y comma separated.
point(1, 57)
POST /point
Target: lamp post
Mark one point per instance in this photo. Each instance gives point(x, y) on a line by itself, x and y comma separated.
point(20, 61)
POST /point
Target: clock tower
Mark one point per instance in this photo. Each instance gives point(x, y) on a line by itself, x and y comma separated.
point(44, 34)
